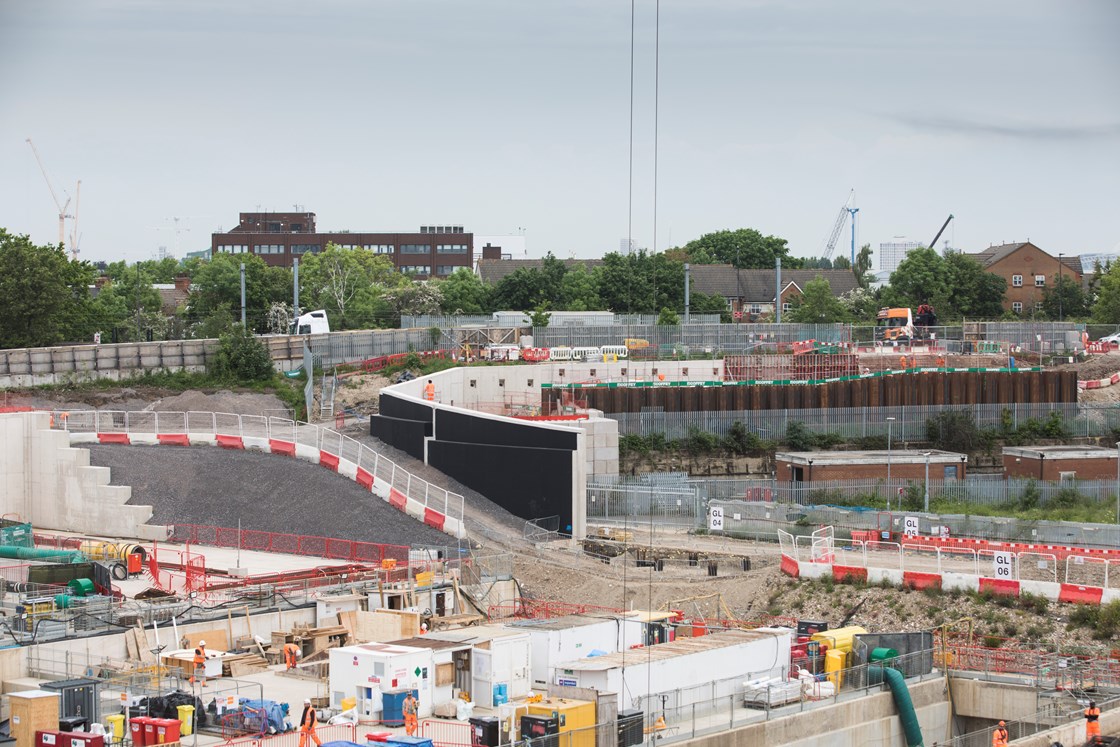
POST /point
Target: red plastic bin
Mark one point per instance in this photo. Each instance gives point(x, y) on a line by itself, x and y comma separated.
point(48, 738)
point(150, 730)
point(136, 727)
point(85, 739)
point(167, 730)
point(380, 736)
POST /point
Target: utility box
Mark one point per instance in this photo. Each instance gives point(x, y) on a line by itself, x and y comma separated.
point(573, 717)
point(78, 698)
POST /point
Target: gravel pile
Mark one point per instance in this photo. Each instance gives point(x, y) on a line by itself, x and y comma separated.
point(208, 485)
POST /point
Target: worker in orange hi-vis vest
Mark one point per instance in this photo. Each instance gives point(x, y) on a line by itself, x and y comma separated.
point(200, 663)
point(291, 653)
point(999, 736)
point(307, 724)
point(1092, 721)
point(902, 362)
point(430, 391)
point(409, 708)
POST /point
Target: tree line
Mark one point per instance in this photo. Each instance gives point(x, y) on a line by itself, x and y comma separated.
point(51, 298)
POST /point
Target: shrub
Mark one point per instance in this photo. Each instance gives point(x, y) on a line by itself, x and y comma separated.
point(242, 357)
point(798, 437)
point(954, 430)
point(700, 442)
point(741, 441)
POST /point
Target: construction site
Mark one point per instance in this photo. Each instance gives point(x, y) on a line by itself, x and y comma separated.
point(464, 565)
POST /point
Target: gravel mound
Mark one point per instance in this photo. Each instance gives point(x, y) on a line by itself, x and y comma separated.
point(213, 486)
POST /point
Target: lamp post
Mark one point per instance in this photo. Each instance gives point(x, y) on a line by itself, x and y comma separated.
point(1059, 286)
point(890, 422)
point(926, 504)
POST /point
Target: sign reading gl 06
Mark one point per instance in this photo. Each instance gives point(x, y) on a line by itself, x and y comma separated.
point(1002, 565)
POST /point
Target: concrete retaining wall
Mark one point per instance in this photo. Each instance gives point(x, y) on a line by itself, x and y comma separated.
point(78, 363)
point(50, 484)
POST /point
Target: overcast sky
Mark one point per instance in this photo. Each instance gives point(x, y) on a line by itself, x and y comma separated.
point(510, 115)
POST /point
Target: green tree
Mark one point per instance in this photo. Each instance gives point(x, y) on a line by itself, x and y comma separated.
point(348, 284)
point(668, 318)
point(218, 284)
point(817, 304)
point(920, 278)
point(413, 299)
point(579, 290)
point(703, 303)
point(973, 292)
point(840, 263)
point(130, 305)
point(864, 275)
point(464, 293)
point(1065, 299)
point(744, 248)
point(521, 289)
point(861, 305)
point(242, 357)
point(46, 294)
point(1106, 309)
point(640, 283)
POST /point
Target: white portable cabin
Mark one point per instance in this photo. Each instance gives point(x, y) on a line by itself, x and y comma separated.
point(311, 323)
point(498, 656)
point(367, 670)
point(450, 666)
point(562, 639)
point(722, 660)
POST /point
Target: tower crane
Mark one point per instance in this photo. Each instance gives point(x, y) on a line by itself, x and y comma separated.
point(845, 210)
point(62, 214)
point(933, 244)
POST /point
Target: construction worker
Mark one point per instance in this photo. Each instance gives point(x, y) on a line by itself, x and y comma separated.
point(902, 362)
point(307, 724)
point(200, 663)
point(1092, 721)
point(913, 361)
point(430, 391)
point(408, 708)
point(291, 653)
point(941, 361)
point(999, 736)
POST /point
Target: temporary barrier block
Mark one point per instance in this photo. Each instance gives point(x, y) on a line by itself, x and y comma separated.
point(433, 519)
point(230, 442)
point(849, 574)
point(286, 448)
point(919, 581)
point(397, 498)
point(174, 439)
point(999, 586)
point(328, 460)
point(1074, 594)
point(114, 438)
point(364, 478)
point(789, 566)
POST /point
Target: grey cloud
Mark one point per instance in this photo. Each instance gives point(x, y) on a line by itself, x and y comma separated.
point(1013, 130)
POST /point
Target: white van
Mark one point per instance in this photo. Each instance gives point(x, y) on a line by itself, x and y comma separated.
point(615, 351)
point(585, 354)
point(560, 354)
point(311, 323)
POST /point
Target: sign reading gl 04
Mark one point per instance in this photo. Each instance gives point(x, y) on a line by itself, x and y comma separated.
point(715, 519)
point(1002, 565)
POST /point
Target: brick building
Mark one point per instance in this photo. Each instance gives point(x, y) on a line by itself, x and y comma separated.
point(750, 293)
point(278, 238)
point(1028, 271)
point(814, 466)
point(1052, 463)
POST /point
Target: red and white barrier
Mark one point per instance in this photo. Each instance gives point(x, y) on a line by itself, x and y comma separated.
point(1099, 383)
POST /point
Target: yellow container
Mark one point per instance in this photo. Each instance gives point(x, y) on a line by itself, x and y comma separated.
point(834, 663)
point(840, 639)
point(116, 725)
point(575, 716)
point(424, 578)
point(348, 703)
point(186, 719)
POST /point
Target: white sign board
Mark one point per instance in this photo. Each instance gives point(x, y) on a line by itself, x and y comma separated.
point(910, 526)
point(715, 519)
point(1002, 565)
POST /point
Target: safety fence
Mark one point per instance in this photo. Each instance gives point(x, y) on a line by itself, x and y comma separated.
point(1056, 714)
point(903, 424)
point(429, 503)
point(757, 510)
point(325, 732)
point(289, 544)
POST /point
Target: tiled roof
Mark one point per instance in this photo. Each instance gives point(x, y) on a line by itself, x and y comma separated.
point(757, 286)
point(493, 270)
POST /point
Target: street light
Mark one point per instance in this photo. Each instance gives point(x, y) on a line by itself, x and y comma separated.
point(1059, 286)
point(890, 422)
point(926, 509)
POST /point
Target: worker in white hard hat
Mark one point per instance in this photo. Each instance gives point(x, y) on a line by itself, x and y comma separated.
point(307, 725)
point(200, 663)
